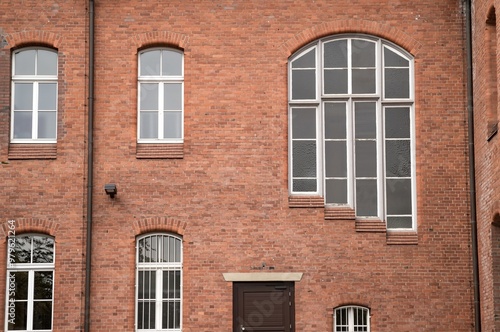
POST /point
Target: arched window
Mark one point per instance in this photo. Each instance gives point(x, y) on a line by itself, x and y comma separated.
point(159, 283)
point(351, 318)
point(34, 95)
point(161, 96)
point(30, 280)
point(351, 127)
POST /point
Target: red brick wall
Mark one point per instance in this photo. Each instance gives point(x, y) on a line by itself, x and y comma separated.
point(228, 195)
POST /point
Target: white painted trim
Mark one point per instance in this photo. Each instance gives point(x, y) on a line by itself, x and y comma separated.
point(263, 276)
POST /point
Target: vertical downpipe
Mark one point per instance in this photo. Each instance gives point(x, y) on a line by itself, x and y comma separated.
point(90, 167)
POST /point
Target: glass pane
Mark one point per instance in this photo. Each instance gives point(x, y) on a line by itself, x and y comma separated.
point(42, 315)
point(335, 55)
point(366, 159)
point(336, 191)
point(397, 83)
point(23, 96)
point(20, 318)
point(47, 62)
point(398, 196)
point(363, 81)
point(43, 285)
point(150, 63)
point(335, 81)
point(303, 123)
point(147, 285)
point(171, 284)
point(399, 222)
point(149, 125)
point(171, 250)
point(365, 120)
point(149, 96)
point(20, 280)
point(146, 315)
point(171, 63)
point(304, 84)
point(43, 249)
point(392, 59)
point(172, 97)
point(304, 159)
point(177, 256)
point(172, 126)
point(23, 124)
point(171, 315)
point(47, 96)
point(25, 63)
point(307, 60)
point(366, 198)
point(47, 124)
point(304, 185)
point(397, 161)
point(142, 251)
point(363, 53)
point(335, 159)
point(154, 248)
point(22, 250)
point(335, 121)
point(397, 122)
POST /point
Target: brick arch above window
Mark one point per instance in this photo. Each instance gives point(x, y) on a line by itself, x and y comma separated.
point(24, 38)
point(164, 37)
point(159, 224)
point(373, 28)
point(31, 225)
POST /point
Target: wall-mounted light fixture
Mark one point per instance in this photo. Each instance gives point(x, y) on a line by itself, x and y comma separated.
point(110, 189)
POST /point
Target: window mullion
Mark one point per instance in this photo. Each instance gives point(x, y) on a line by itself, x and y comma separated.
point(161, 112)
point(31, 290)
point(34, 130)
point(350, 153)
point(159, 299)
point(381, 174)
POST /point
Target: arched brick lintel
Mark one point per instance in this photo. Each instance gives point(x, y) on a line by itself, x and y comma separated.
point(147, 39)
point(19, 39)
point(29, 225)
point(159, 224)
point(373, 28)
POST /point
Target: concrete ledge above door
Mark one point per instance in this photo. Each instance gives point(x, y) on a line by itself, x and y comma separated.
point(263, 276)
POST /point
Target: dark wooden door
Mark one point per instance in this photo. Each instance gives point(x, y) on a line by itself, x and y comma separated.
point(263, 307)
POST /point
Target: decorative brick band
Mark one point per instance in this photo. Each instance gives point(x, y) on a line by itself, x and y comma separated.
point(33, 37)
point(306, 202)
point(396, 237)
point(373, 226)
point(159, 224)
point(32, 151)
point(31, 225)
point(160, 151)
point(339, 213)
point(161, 37)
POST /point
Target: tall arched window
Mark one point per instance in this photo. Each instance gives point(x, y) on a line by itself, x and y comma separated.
point(351, 127)
point(30, 280)
point(159, 283)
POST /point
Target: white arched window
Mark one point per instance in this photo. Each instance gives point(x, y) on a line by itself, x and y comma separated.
point(351, 119)
point(351, 319)
point(159, 283)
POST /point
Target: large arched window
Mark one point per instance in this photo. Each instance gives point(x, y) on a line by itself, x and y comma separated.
point(30, 280)
point(351, 121)
point(159, 283)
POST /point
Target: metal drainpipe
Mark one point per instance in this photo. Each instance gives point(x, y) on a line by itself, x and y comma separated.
point(90, 167)
point(472, 169)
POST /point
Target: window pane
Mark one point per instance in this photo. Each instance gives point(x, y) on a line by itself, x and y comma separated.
point(150, 63)
point(335, 121)
point(22, 250)
point(335, 55)
point(149, 96)
point(146, 315)
point(398, 196)
point(171, 284)
point(366, 198)
point(304, 84)
point(47, 96)
point(399, 222)
point(336, 191)
point(149, 124)
point(42, 315)
point(172, 127)
point(365, 120)
point(25, 63)
point(307, 60)
point(303, 123)
point(392, 59)
point(304, 159)
point(398, 159)
point(172, 97)
point(47, 62)
point(397, 83)
point(304, 185)
point(363, 53)
point(147, 285)
point(23, 124)
point(397, 122)
point(335, 159)
point(177, 256)
point(43, 285)
point(171, 63)
point(21, 281)
point(23, 96)
point(366, 159)
point(363, 81)
point(43, 249)
point(47, 124)
point(21, 317)
point(335, 81)
point(171, 315)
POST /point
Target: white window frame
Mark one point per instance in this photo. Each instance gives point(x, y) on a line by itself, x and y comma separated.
point(158, 268)
point(350, 317)
point(30, 268)
point(36, 80)
point(321, 99)
point(161, 80)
